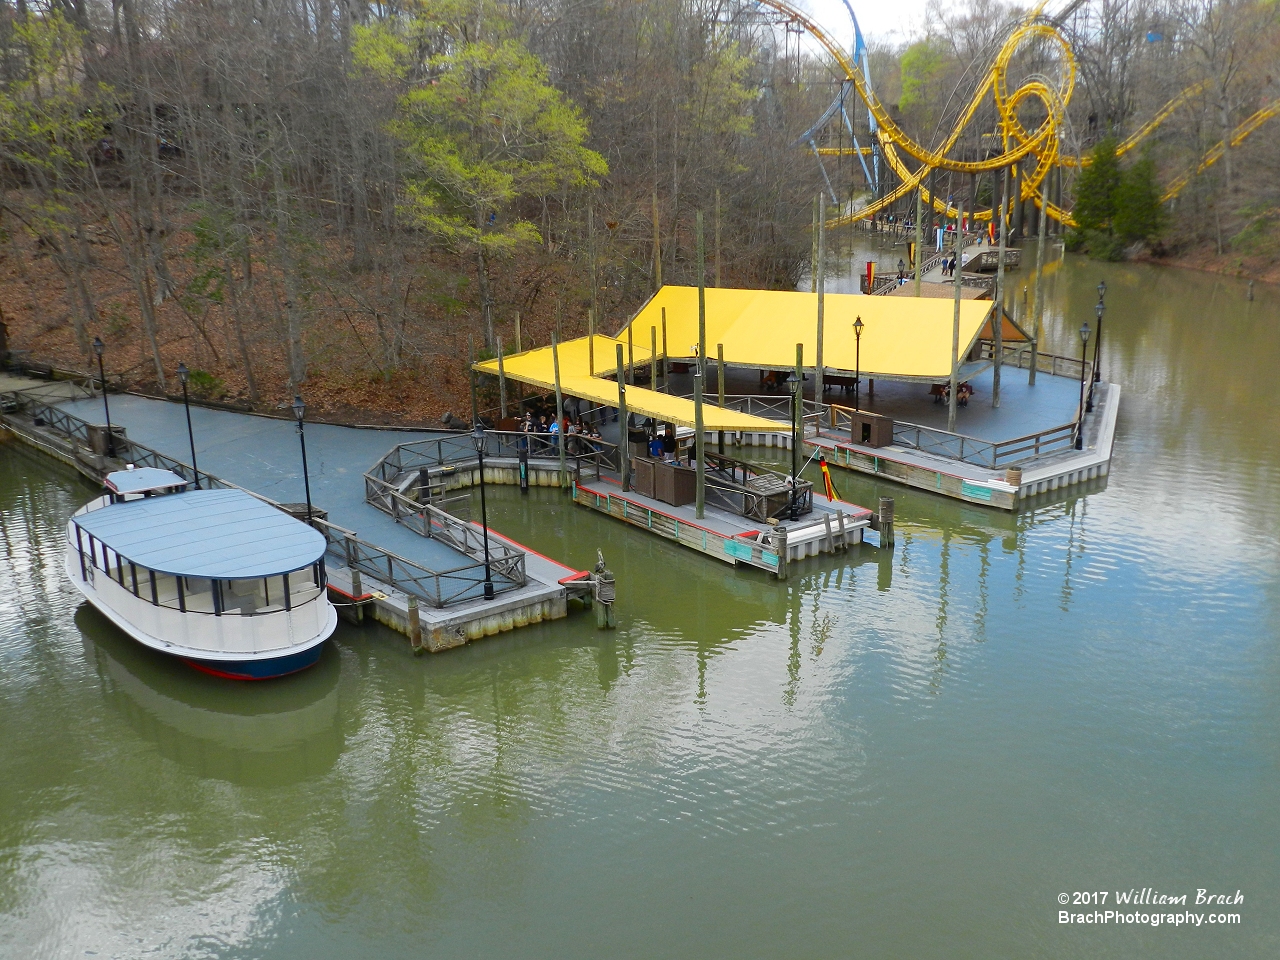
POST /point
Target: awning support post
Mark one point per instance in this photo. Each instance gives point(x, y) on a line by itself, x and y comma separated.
point(624, 434)
point(560, 444)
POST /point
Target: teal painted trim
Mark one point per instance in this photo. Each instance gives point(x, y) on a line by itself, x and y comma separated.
point(739, 551)
point(968, 489)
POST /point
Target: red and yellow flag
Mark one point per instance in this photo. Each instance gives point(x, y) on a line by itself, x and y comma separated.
point(826, 480)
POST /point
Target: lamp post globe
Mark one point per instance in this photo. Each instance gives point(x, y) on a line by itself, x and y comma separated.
point(300, 411)
point(99, 348)
point(478, 440)
point(183, 376)
point(1102, 289)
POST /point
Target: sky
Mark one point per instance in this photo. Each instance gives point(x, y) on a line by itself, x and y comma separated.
point(892, 21)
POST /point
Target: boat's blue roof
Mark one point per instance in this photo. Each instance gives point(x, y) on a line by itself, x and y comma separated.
point(220, 534)
point(142, 479)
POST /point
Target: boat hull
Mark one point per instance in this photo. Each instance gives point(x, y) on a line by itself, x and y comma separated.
point(258, 669)
point(263, 666)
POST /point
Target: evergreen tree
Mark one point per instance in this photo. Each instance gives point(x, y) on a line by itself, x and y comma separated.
point(1097, 189)
point(1138, 215)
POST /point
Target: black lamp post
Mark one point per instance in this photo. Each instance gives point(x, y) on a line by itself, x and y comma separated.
point(183, 374)
point(299, 410)
point(98, 348)
point(1097, 347)
point(797, 415)
point(1085, 406)
point(478, 438)
point(857, 361)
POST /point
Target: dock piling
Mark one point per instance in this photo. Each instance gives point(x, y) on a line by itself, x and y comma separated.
point(604, 592)
point(415, 627)
point(886, 522)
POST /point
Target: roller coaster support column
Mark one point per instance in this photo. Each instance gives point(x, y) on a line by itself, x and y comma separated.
point(1039, 304)
point(955, 324)
point(998, 326)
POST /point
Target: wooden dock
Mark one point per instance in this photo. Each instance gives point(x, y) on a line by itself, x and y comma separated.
point(731, 539)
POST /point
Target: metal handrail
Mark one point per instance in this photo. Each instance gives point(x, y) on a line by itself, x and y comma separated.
point(958, 446)
point(397, 572)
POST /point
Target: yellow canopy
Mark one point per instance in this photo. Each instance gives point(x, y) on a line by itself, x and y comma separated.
point(537, 368)
point(903, 338)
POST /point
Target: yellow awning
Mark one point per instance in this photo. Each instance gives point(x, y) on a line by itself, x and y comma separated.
point(537, 368)
point(902, 337)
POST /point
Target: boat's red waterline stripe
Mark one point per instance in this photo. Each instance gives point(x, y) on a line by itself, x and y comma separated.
point(225, 675)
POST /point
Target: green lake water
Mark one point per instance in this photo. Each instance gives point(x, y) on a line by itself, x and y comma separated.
point(906, 756)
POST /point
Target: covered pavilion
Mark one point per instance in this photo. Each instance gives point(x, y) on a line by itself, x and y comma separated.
point(903, 338)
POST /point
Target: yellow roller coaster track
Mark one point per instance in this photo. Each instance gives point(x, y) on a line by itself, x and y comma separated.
point(1042, 145)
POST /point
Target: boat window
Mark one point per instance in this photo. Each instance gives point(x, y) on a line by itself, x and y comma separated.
point(244, 598)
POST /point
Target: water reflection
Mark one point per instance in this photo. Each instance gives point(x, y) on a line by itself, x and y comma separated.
point(267, 734)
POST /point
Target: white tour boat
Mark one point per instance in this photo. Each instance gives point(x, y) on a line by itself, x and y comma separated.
point(226, 582)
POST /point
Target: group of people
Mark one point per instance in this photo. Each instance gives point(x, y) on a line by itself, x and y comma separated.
point(963, 393)
point(949, 266)
point(579, 434)
point(660, 446)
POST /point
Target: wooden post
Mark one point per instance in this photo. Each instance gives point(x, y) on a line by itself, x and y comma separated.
point(591, 340)
point(666, 371)
point(415, 626)
point(998, 327)
point(1018, 209)
point(631, 357)
point(519, 385)
point(699, 378)
point(886, 522)
point(699, 446)
point(919, 258)
point(717, 236)
point(555, 364)
point(720, 377)
point(502, 383)
point(702, 301)
point(1039, 303)
point(657, 246)
point(813, 256)
point(819, 391)
point(955, 323)
point(780, 544)
point(624, 438)
point(471, 370)
point(653, 358)
point(591, 253)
